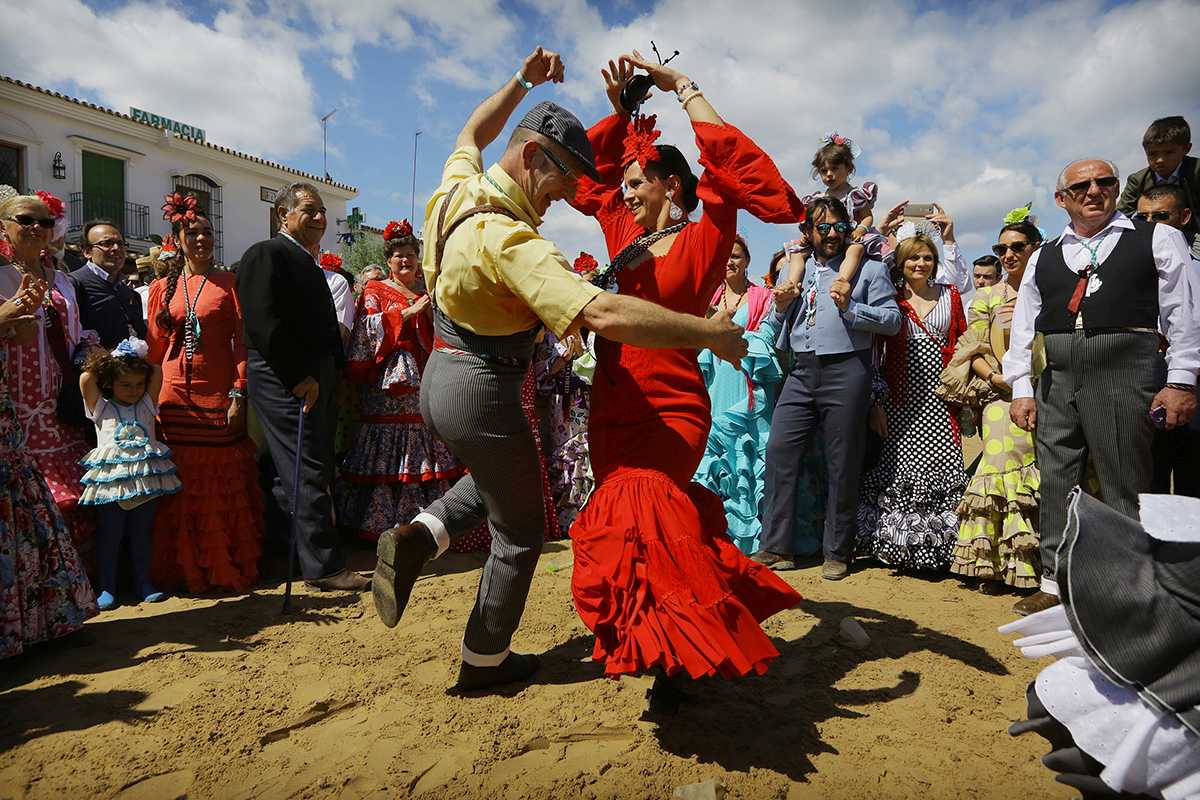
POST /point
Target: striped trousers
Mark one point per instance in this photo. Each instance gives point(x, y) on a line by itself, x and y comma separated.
point(475, 408)
point(1093, 402)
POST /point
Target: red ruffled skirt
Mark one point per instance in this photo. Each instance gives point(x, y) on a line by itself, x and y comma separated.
point(661, 585)
point(209, 536)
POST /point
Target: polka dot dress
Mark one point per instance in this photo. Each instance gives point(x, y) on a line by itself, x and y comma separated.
point(907, 514)
point(55, 447)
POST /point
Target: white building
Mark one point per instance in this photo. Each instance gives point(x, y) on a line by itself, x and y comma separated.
point(103, 163)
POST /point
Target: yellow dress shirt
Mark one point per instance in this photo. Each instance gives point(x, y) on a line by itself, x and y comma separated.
point(498, 276)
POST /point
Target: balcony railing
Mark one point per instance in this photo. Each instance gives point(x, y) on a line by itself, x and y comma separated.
point(133, 218)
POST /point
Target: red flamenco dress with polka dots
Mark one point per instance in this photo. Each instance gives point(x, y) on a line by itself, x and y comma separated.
point(35, 376)
point(208, 536)
point(656, 577)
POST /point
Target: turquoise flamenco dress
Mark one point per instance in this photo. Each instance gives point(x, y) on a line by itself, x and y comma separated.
point(734, 462)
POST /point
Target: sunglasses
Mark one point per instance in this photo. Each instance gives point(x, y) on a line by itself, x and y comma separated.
point(1155, 216)
point(1106, 184)
point(839, 227)
point(563, 168)
point(28, 221)
point(1016, 247)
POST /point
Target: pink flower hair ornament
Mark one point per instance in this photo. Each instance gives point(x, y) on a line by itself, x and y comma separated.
point(53, 204)
point(177, 207)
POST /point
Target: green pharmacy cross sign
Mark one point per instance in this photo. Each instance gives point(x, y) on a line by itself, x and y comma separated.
point(167, 124)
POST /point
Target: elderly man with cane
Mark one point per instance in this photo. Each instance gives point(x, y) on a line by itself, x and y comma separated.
point(1104, 294)
point(295, 346)
point(494, 282)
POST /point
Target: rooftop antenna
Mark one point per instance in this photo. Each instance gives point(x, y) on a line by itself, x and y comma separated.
point(325, 142)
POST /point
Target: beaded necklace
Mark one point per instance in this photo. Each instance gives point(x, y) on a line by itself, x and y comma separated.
point(608, 279)
point(191, 322)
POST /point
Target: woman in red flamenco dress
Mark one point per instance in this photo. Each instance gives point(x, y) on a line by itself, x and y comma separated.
point(209, 536)
point(656, 577)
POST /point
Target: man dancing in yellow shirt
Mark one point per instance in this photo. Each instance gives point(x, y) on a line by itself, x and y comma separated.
point(494, 282)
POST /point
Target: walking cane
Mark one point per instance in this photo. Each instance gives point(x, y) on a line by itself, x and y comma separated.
point(287, 592)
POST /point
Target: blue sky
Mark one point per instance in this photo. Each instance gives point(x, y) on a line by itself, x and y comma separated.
point(973, 105)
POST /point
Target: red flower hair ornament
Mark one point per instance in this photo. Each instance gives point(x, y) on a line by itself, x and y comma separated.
point(52, 203)
point(585, 263)
point(331, 261)
point(397, 230)
point(639, 141)
point(179, 208)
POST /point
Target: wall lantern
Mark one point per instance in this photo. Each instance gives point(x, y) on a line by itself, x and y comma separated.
point(60, 169)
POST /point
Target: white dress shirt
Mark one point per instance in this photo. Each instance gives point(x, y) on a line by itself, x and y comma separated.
point(1177, 319)
point(343, 298)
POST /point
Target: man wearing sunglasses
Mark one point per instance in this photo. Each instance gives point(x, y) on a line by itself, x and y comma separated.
point(1177, 451)
point(831, 335)
point(1100, 294)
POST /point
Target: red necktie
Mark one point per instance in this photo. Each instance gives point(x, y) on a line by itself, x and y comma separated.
point(1080, 288)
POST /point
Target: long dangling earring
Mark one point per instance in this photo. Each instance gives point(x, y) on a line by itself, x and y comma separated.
point(676, 213)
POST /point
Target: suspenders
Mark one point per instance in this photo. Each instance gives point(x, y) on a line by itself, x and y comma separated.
point(444, 233)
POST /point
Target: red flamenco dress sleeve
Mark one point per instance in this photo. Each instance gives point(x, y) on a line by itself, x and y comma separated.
point(737, 175)
point(239, 352)
point(604, 200)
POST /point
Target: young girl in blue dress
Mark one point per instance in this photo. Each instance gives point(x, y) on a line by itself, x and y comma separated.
point(129, 469)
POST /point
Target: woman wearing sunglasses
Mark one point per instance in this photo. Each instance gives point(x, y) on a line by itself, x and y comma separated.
point(36, 370)
point(998, 534)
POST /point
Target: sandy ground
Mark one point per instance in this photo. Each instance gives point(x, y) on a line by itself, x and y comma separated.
point(226, 698)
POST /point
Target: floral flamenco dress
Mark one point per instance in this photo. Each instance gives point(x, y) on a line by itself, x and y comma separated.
point(656, 578)
point(44, 593)
point(394, 466)
point(998, 533)
point(209, 536)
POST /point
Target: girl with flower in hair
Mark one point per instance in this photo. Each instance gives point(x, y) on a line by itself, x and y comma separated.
point(210, 535)
point(656, 577)
point(394, 466)
point(833, 163)
point(129, 470)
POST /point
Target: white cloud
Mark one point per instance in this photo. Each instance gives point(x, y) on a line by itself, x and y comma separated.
point(242, 79)
point(976, 109)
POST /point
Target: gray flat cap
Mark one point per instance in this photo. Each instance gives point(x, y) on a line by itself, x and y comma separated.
point(564, 128)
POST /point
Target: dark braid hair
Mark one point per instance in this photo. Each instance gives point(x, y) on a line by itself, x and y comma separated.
point(107, 368)
point(174, 270)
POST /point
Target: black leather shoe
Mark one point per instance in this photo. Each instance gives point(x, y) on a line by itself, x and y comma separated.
point(514, 669)
point(402, 551)
point(344, 581)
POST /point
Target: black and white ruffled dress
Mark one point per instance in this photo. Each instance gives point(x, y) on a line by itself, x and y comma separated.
point(907, 512)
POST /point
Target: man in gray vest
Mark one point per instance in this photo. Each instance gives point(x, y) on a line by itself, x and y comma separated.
point(1100, 295)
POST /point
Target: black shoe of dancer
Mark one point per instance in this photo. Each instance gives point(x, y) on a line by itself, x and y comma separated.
point(513, 669)
point(402, 551)
point(665, 696)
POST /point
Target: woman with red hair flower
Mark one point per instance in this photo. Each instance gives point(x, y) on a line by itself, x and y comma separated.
point(209, 536)
point(395, 466)
point(656, 577)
